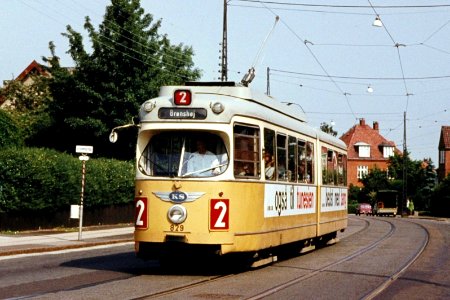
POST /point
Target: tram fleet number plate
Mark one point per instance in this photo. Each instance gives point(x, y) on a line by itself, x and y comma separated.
point(182, 113)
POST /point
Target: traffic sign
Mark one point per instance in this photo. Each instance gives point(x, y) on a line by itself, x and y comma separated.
point(84, 149)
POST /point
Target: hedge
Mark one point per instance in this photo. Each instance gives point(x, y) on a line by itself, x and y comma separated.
point(42, 179)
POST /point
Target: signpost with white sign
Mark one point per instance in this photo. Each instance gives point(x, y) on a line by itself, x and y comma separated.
point(84, 150)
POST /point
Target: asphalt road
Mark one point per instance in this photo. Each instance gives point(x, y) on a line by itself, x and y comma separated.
point(380, 258)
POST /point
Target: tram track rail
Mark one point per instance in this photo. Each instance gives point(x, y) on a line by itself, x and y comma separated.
point(392, 227)
point(295, 274)
point(221, 277)
point(402, 269)
point(183, 288)
point(275, 289)
point(376, 290)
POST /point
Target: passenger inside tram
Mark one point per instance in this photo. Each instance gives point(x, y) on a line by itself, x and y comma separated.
point(269, 167)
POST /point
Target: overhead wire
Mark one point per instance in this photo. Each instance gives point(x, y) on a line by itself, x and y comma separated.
point(130, 32)
point(362, 78)
point(316, 59)
point(374, 8)
point(397, 45)
point(116, 43)
point(346, 6)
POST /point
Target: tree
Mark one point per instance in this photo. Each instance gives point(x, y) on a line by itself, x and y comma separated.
point(328, 129)
point(420, 179)
point(129, 62)
point(24, 98)
point(440, 201)
point(27, 106)
point(10, 134)
point(428, 177)
point(374, 181)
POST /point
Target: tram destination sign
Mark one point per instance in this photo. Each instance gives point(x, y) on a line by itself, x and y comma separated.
point(182, 113)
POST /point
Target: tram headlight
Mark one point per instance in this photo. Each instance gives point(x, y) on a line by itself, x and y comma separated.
point(217, 108)
point(177, 214)
point(149, 106)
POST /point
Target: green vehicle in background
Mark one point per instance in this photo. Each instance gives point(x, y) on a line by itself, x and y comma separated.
point(386, 203)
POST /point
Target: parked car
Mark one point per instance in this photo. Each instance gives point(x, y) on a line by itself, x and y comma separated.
point(363, 209)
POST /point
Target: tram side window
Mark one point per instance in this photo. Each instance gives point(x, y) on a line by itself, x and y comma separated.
point(324, 158)
point(302, 174)
point(327, 167)
point(246, 151)
point(330, 169)
point(310, 167)
point(292, 159)
point(269, 154)
point(342, 169)
point(281, 157)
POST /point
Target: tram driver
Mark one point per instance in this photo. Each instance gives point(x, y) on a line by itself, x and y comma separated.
point(202, 162)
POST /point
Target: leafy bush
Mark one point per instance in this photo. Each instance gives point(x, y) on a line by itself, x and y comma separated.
point(41, 179)
point(10, 134)
point(108, 182)
point(352, 204)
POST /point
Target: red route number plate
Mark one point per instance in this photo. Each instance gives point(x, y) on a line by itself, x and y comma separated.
point(182, 97)
point(141, 216)
point(219, 214)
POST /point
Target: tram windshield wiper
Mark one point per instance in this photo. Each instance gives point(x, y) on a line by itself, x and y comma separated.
point(205, 170)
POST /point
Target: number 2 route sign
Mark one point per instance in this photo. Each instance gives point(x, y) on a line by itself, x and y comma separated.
point(219, 214)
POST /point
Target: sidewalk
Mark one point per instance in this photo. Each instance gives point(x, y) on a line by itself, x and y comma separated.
point(45, 241)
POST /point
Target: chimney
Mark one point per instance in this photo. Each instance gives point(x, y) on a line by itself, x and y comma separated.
point(375, 126)
point(362, 122)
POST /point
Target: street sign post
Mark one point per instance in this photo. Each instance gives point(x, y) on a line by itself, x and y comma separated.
point(84, 150)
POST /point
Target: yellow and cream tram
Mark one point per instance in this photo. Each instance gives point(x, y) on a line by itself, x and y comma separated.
point(222, 169)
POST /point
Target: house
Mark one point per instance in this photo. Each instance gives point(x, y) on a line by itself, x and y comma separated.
point(444, 153)
point(366, 149)
point(26, 78)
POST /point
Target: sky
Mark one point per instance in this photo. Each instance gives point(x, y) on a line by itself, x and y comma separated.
point(322, 55)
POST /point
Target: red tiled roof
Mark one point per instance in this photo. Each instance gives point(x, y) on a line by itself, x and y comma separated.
point(363, 133)
point(33, 66)
point(444, 141)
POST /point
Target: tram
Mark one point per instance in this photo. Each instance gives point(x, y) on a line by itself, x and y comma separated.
point(222, 169)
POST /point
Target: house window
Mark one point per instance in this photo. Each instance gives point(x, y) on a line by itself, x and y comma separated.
point(364, 151)
point(388, 151)
point(361, 171)
point(442, 157)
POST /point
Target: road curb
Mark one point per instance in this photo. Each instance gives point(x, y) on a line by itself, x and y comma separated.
point(59, 248)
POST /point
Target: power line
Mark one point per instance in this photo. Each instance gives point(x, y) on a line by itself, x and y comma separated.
point(362, 78)
point(317, 61)
point(346, 6)
point(121, 45)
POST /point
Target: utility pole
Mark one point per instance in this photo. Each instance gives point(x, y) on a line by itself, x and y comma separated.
point(405, 168)
point(268, 81)
point(224, 72)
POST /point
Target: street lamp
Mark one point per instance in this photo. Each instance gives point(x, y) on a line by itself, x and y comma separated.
point(377, 22)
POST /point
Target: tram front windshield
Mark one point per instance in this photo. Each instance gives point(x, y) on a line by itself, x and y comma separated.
point(184, 154)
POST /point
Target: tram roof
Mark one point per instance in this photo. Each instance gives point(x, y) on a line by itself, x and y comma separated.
point(254, 103)
point(232, 89)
